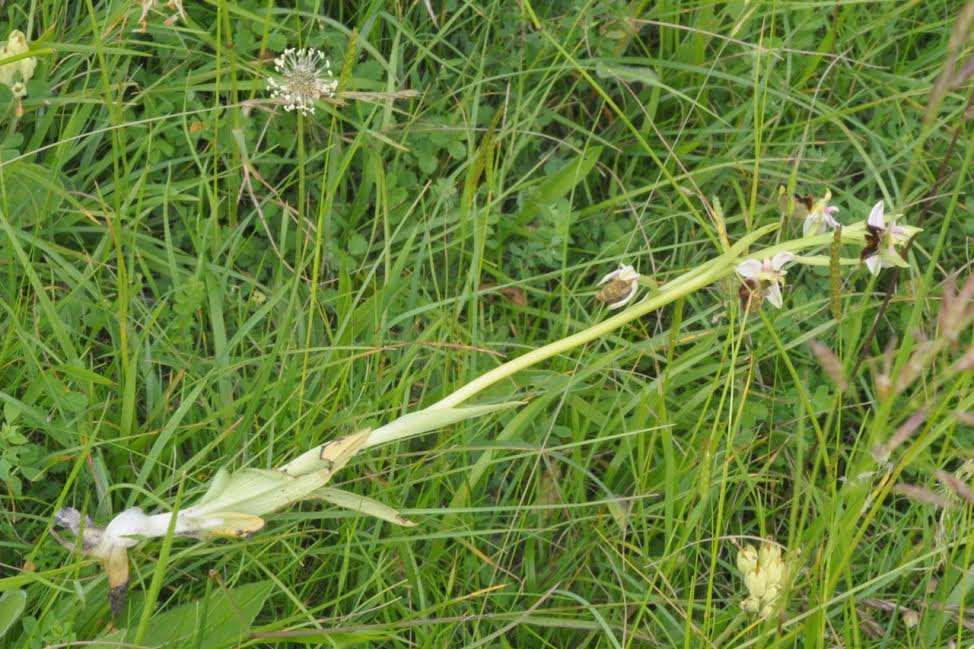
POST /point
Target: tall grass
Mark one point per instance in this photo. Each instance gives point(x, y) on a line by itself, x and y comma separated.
point(193, 278)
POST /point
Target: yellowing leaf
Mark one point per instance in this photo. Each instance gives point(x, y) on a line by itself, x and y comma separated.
point(363, 505)
point(236, 525)
point(417, 423)
point(330, 456)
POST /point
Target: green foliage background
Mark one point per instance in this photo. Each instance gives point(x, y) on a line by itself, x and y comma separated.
point(191, 277)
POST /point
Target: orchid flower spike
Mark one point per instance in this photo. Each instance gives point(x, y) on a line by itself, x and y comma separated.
point(882, 239)
point(821, 216)
point(619, 287)
point(763, 279)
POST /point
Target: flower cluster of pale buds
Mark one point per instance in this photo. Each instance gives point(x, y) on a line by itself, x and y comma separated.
point(305, 77)
point(765, 575)
point(16, 74)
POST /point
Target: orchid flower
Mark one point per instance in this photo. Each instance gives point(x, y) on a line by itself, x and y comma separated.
point(882, 239)
point(763, 279)
point(619, 287)
point(821, 216)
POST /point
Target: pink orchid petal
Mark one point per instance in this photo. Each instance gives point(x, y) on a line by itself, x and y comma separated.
point(782, 258)
point(749, 269)
point(876, 218)
point(874, 264)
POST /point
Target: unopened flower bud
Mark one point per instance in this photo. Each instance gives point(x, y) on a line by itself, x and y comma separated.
point(769, 554)
point(757, 582)
point(747, 559)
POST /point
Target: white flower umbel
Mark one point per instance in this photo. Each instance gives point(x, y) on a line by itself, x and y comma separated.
point(821, 217)
point(619, 287)
point(305, 77)
point(882, 237)
point(763, 279)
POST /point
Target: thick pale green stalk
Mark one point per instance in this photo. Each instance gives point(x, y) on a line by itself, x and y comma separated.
point(680, 287)
point(670, 292)
point(691, 281)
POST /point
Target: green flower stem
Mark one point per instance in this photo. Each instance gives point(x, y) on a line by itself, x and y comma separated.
point(689, 282)
point(679, 287)
point(824, 260)
point(673, 290)
point(850, 234)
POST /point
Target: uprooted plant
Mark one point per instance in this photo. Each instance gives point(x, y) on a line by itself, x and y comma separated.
point(235, 503)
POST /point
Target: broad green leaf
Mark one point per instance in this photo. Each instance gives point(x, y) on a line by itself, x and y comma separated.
point(559, 183)
point(29, 192)
point(256, 492)
point(363, 505)
point(12, 604)
point(221, 619)
point(241, 492)
point(627, 73)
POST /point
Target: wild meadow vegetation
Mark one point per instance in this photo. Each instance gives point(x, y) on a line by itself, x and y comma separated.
point(254, 256)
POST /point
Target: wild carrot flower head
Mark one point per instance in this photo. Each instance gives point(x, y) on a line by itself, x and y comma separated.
point(882, 237)
point(305, 77)
point(763, 279)
point(619, 287)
